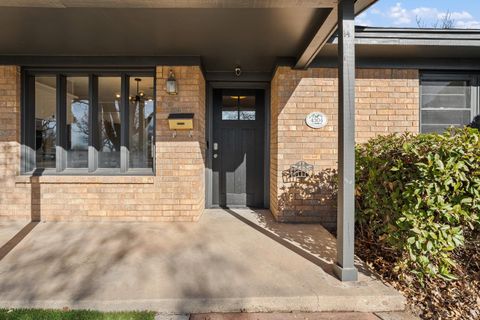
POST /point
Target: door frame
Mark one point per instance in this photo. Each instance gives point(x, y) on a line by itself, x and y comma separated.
point(211, 85)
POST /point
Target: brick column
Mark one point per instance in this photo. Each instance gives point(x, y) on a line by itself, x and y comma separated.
point(14, 203)
point(180, 159)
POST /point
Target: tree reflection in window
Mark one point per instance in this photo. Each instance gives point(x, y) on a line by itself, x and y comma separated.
point(141, 108)
point(238, 107)
point(109, 98)
point(77, 122)
point(45, 121)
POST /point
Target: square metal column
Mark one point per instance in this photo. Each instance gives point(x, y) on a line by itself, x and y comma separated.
point(344, 267)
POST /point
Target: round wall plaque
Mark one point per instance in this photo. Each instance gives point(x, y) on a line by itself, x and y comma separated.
point(316, 120)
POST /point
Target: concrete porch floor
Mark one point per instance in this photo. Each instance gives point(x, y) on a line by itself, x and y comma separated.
point(230, 261)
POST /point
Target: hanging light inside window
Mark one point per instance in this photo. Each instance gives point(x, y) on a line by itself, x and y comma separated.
point(139, 95)
point(171, 84)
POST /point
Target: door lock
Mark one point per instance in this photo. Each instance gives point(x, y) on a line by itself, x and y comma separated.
point(215, 146)
point(215, 156)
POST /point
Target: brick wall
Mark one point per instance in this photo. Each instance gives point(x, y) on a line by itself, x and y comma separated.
point(175, 193)
point(181, 159)
point(387, 100)
point(13, 200)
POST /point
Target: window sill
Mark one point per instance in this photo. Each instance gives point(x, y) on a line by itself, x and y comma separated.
point(84, 179)
point(102, 172)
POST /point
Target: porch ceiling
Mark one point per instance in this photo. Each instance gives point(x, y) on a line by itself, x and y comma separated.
point(224, 33)
point(251, 38)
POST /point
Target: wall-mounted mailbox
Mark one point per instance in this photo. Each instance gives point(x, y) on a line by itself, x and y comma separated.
point(180, 121)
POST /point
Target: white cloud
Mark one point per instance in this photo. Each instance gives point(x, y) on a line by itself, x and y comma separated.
point(403, 17)
point(400, 15)
point(472, 24)
point(464, 15)
point(426, 13)
point(363, 20)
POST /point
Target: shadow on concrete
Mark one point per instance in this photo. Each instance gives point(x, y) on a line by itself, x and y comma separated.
point(35, 201)
point(311, 241)
point(77, 262)
point(202, 288)
point(58, 256)
point(16, 239)
point(217, 265)
point(284, 239)
point(35, 218)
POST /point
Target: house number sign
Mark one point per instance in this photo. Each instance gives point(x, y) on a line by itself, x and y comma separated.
point(316, 120)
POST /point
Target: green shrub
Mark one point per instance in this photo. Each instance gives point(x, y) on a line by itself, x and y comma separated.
point(418, 194)
point(475, 123)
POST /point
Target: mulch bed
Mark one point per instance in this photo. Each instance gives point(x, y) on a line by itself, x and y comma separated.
point(435, 298)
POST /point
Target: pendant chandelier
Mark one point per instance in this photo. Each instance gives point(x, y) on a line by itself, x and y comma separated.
point(139, 95)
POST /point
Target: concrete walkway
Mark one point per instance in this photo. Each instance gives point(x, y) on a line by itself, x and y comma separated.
point(293, 316)
point(221, 264)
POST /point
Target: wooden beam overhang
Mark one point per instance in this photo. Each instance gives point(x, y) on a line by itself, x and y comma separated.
point(325, 32)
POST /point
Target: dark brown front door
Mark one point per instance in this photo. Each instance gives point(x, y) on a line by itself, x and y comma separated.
point(238, 147)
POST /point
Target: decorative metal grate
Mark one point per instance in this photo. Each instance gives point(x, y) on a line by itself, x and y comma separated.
point(297, 171)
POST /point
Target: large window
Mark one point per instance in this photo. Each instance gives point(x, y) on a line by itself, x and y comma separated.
point(447, 100)
point(88, 122)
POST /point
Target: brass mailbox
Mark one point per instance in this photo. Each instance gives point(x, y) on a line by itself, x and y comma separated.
point(180, 121)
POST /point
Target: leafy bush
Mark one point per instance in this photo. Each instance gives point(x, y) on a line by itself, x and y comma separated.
point(418, 195)
point(475, 123)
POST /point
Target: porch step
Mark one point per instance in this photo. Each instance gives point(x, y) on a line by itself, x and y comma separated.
point(291, 316)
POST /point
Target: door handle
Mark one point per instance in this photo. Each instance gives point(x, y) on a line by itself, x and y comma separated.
point(215, 156)
point(215, 146)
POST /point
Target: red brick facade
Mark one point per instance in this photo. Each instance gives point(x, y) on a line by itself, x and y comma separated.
point(175, 193)
point(387, 100)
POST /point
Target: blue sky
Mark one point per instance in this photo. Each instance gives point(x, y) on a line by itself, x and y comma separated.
point(404, 13)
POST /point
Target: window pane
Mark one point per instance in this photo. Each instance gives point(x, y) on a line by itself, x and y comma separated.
point(445, 87)
point(141, 108)
point(229, 107)
point(230, 115)
point(247, 115)
point(432, 128)
point(77, 122)
point(109, 98)
point(445, 103)
point(246, 102)
point(446, 94)
point(446, 117)
point(229, 101)
point(45, 121)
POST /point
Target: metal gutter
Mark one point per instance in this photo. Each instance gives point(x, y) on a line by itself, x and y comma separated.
point(422, 37)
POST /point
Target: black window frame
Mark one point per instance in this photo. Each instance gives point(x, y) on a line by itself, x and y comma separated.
point(474, 79)
point(28, 120)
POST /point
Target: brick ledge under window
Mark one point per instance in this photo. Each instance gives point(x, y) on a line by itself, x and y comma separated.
point(64, 179)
